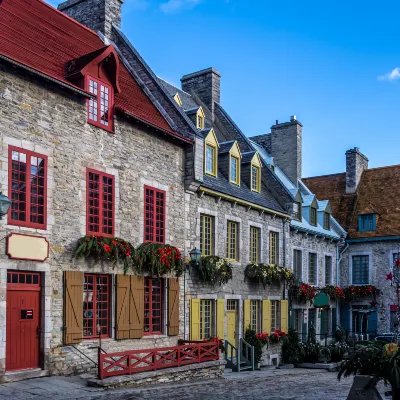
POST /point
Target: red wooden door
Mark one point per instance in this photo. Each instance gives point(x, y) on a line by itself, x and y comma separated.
point(23, 306)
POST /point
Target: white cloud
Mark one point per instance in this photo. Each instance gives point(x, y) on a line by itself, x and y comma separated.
point(390, 76)
point(173, 6)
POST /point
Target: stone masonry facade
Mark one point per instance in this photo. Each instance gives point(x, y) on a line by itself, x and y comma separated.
point(40, 117)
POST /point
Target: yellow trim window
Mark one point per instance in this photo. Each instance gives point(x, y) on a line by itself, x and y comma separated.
point(273, 247)
point(200, 121)
point(254, 315)
point(206, 319)
point(234, 170)
point(275, 315)
point(255, 178)
point(211, 160)
point(255, 244)
point(206, 235)
point(231, 240)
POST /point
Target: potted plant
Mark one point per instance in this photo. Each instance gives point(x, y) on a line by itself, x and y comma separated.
point(214, 269)
point(268, 273)
point(258, 341)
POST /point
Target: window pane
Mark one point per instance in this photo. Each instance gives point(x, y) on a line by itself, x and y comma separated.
point(231, 245)
point(210, 158)
point(312, 269)
point(328, 270)
point(297, 264)
point(234, 169)
point(254, 244)
point(206, 319)
point(360, 267)
point(206, 235)
point(274, 247)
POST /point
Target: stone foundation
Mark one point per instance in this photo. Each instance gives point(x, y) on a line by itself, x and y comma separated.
point(202, 371)
point(272, 355)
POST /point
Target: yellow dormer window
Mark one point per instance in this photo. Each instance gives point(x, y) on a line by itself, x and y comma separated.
point(210, 154)
point(234, 164)
point(255, 178)
point(178, 100)
point(200, 118)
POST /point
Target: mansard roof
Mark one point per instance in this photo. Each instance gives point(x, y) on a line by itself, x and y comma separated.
point(378, 192)
point(44, 40)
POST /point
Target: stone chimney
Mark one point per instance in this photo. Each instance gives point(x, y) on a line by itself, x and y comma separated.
point(356, 162)
point(98, 15)
point(206, 85)
point(284, 143)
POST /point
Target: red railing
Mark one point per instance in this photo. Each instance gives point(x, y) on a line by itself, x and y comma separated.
point(130, 362)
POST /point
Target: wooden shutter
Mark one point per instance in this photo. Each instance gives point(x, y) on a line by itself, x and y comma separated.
point(173, 307)
point(285, 315)
point(220, 318)
point(246, 315)
point(195, 319)
point(123, 316)
point(266, 316)
point(136, 304)
point(73, 291)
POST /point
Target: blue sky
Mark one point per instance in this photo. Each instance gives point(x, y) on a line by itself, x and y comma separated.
point(331, 63)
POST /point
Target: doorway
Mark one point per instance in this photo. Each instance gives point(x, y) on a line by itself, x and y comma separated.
point(231, 312)
point(23, 320)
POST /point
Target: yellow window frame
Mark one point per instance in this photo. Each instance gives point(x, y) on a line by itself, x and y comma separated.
point(255, 234)
point(231, 241)
point(206, 319)
point(255, 315)
point(200, 121)
point(237, 161)
point(206, 235)
point(256, 186)
point(273, 247)
point(275, 315)
point(214, 160)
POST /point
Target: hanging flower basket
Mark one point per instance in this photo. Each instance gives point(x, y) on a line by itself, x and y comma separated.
point(334, 292)
point(268, 273)
point(105, 248)
point(303, 293)
point(358, 292)
point(214, 269)
point(158, 259)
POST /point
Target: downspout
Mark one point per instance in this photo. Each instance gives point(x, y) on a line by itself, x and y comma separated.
point(339, 257)
point(184, 305)
point(284, 256)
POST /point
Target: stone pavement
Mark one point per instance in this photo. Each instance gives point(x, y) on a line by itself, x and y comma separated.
point(295, 384)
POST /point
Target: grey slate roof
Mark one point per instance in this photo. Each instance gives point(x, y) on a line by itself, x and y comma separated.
point(247, 156)
point(187, 101)
point(225, 147)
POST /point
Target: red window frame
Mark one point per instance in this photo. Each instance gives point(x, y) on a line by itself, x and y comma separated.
point(16, 203)
point(90, 103)
point(90, 206)
point(153, 306)
point(154, 215)
point(96, 305)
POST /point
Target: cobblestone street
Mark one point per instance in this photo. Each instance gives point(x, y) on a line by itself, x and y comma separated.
point(295, 384)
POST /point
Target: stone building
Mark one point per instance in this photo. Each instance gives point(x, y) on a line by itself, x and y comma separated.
point(85, 149)
point(364, 201)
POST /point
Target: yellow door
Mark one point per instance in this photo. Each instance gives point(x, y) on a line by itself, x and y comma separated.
point(231, 321)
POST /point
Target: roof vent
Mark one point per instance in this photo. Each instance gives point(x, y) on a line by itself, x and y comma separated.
point(292, 118)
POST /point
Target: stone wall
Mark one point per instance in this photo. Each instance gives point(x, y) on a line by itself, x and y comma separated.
point(39, 116)
point(356, 162)
point(271, 355)
point(380, 262)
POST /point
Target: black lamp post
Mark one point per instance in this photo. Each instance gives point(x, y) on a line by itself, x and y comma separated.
point(195, 256)
point(5, 204)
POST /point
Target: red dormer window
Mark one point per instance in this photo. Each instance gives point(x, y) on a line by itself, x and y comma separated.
point(100, 108)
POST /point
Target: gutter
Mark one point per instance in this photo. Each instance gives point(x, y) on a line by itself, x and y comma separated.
point(311, 232)
point(48, 77)
point(243, 202)
point(173, 134)
point(375, 239)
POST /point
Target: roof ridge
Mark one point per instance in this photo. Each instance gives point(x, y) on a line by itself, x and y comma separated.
point(386, 166)
point(323, 176)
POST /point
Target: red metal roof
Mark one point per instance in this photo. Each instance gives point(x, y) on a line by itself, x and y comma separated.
point(37, 35)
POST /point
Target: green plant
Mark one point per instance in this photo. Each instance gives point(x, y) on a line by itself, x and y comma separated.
point(277, 336)
point(268, 273)
point(214, 269)
point(334, 292)
point(158, 259)
point(303, 293)
point(357, 292)
point(292, 350)
point(251, 337)
point(340, 334)
point(338, 350)
point(312, 335)
point(105, 248)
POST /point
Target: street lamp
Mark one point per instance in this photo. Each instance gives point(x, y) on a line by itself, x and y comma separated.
point(5, 204)
point(195, 256)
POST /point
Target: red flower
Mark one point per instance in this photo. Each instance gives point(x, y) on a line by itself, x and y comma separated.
point(114, 242)
point(107, 248)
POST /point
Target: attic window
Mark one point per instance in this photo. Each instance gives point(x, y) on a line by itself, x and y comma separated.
point(299, 213)
point(234, 170)
point(327, 221)
point(178, 100)
point(313, 216)
point(255, 178)
point(200, 122)
point(100, 108)
point(211, 160)
point(366, 222)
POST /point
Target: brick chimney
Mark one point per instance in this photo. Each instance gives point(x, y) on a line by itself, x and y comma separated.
point(284, 143)
point(356, 163)
point(206, 85)
point(98, 15)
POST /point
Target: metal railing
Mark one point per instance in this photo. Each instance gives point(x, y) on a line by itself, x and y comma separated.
point(248, 354)
point(241, 358)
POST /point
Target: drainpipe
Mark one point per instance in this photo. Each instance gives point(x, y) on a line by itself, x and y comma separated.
point(184, 305)
point(284, 256)
point(339, 257)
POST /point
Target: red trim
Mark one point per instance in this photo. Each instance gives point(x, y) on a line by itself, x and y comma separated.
point(100, 206)
point(152, 215)
point(22, 278)
point(129, 362)
point(91, 298)
point(28, 259)
point(110, 119)
point(26, 222)
point(149, 303)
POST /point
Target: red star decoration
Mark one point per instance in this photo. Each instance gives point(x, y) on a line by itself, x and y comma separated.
point(373, 303)
point(389, 277)
point(397, 263)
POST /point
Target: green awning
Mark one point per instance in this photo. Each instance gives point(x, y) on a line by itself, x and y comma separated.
point(322, 300)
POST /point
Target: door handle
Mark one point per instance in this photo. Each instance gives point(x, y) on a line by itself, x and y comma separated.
point(37, 332)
